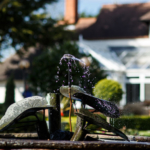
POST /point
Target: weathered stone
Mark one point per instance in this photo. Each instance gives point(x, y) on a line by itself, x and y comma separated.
point(79, 134)
point(54, 113)
point(98, 120)
point(94, 145)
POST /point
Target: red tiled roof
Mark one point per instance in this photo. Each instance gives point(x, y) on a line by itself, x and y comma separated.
point(11, 65)
point(84, 23)
point(119, 21)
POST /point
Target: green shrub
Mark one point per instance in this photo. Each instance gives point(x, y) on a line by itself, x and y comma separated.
point(109, 90)
point(10, 93)
point(2, 109)
point(133, 122)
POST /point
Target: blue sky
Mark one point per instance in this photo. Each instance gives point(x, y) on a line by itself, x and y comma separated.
point(88, 6)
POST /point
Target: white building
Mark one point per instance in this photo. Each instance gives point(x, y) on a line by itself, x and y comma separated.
point(11, 67)
point(127, 62)
point(120, 40)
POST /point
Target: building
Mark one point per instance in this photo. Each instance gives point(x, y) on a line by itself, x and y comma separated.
point(119, 38)
point(11, 67)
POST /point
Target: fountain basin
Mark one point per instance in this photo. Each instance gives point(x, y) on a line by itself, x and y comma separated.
point(94, 145)
point(105, 142)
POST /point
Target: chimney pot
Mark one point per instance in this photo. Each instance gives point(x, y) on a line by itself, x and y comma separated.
point(71, 13)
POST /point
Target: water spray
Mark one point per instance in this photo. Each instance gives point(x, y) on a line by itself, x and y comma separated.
point(71, 58)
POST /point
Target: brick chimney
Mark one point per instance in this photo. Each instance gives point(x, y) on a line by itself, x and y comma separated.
point(71, 11)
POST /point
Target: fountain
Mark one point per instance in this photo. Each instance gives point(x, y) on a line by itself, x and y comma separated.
point(52, 136)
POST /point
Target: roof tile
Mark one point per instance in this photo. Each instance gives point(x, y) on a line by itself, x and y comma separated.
point(119, 21)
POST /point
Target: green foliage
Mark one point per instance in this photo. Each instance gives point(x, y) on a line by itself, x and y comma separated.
point(21, 26)
point(90, 127)
point(144, 133)
point(48, 75)
point(85, 15)
point(108, 90)
point(66, 103)
point(10, 93)
point(133, 122)
point(65, 122)
point(2, 109)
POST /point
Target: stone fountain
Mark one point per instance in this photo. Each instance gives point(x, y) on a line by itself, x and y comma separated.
point(52, 137)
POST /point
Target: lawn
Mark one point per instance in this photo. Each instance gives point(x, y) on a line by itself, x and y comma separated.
point(144, 133)
point(65, 122)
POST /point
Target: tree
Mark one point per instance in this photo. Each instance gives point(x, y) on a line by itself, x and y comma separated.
point(85, 15)
point(21, 27)
point(10, 93)
point(108, 90)
point(47, 75)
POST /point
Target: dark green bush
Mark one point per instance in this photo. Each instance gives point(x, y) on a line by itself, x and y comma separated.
point(133, 122)
point(2, 109)
point(109, 90)
point(10, 93)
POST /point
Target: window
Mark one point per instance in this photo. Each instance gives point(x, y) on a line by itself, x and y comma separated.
point(132, 93)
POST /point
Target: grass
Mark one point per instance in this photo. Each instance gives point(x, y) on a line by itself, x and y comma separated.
point(129, 132)
point(144, 133)
point(66, 121)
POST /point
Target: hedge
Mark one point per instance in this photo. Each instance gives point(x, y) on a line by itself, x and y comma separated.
point(133, 122)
